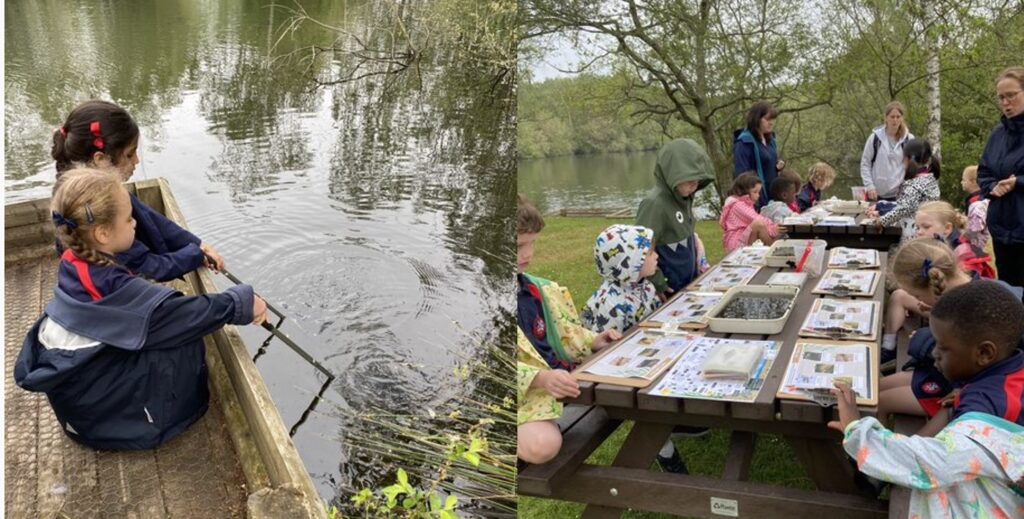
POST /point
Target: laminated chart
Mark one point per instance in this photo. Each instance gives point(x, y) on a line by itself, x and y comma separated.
point(816, 365)
point(843, 319)
point(847, 258)
point(636, 360)
point(685, 380)
point(845, 283)
point(749, 256)
point(687, 310)
point(722, 278)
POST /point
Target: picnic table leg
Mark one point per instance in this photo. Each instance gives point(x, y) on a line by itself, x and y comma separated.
point(739, 456)
point(826, 464)
point(637, 452)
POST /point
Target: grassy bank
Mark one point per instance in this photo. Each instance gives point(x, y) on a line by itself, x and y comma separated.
point(565, 254)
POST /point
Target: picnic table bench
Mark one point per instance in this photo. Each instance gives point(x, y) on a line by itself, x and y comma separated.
point(630, 484)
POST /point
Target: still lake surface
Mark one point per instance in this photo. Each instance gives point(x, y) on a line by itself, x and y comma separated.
point(376, 214)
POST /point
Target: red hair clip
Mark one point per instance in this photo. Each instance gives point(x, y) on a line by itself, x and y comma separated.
point(63, 132)
point(94, 129)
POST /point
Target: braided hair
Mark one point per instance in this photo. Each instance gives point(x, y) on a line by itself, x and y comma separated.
point(925, 264)
point(84, 199)
point(93, 126)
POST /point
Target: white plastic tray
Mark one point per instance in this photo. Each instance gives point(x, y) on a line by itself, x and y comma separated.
point(772, 260)
point(752, 326)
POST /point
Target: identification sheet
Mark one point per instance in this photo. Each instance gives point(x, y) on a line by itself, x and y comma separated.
point(689, 308)
point(815, 366)
point(842, 319)
point(685, 379)
point(722, 278)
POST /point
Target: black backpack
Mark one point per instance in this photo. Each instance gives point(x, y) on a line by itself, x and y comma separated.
point(877, 142)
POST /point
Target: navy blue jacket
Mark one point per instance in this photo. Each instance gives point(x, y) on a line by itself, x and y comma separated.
point(807, 197)
point(997, 391)
point(1004, 156)
point(748, 154)
point(530, 317)
point(125, 371)
point(162, 249)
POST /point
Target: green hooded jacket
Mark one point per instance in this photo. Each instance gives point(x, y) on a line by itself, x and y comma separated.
point(663, 210)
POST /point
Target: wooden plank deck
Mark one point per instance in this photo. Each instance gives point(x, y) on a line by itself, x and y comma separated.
point(48, 475)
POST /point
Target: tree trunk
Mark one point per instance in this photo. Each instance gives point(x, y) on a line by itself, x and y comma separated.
point(932, 66)
point(720, 159)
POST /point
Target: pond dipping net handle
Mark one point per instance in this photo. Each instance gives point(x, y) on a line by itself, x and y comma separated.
point(273, 329)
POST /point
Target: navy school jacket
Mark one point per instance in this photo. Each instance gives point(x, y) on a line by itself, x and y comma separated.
point(162, 250)
point(124, 370)
point(1004, 156)
point(807, 197)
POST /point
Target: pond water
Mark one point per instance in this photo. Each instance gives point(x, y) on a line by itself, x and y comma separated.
point(608, 181)
point(376, 214)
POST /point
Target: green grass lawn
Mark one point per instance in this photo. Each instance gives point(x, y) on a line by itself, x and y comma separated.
point(565, 254)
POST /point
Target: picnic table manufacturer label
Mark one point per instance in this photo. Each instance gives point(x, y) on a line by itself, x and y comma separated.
point(726, 507)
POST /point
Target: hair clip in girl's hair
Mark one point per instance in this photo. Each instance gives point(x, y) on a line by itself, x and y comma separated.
point(63, 132)
point(88, 214)
point(926, 265)
point(58, 220)
point(94, 129)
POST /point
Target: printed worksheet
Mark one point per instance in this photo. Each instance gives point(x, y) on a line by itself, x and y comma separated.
point(746, 257)
point(722, 278)
point(685, 379)
point(689, 307)
point(848, 282)
point(846, 258)
point(842, 319)
point(815, 367)
point(642, 355)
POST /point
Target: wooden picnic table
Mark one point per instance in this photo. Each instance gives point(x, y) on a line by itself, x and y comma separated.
point(629, 484)
point(860, 236)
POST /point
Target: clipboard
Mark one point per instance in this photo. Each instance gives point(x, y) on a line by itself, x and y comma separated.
point(662, 313)
point(874, 263)
point(786, 393)
point(875, 275)
point(580, 372)
point(842, 335)
point(695, 285)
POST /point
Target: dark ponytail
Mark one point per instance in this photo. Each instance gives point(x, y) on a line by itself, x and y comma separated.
point(93, 126)
point(918, 153)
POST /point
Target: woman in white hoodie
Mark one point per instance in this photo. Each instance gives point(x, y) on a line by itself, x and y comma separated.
point(881, 164)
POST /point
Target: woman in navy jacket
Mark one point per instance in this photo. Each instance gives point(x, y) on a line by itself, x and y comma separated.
point(1001, 178)
point(754, 149)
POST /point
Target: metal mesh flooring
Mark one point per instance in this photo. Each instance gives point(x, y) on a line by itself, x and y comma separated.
point(195, 475)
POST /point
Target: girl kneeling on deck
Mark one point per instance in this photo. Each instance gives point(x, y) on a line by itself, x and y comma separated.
point(740, 222)
point(120, 358)
point(101, 134)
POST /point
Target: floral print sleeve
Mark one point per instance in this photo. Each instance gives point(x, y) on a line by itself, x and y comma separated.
point(964, 471)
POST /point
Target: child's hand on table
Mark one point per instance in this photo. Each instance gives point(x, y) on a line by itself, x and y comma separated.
point(604, 339)
point(259, 311)
point(559, 382)
point(847, 404)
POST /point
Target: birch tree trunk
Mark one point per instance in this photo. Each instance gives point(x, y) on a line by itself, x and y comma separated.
point(932, 68)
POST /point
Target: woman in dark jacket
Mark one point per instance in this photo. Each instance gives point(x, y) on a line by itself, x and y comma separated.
point(754, 148)
point(1001, 177)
